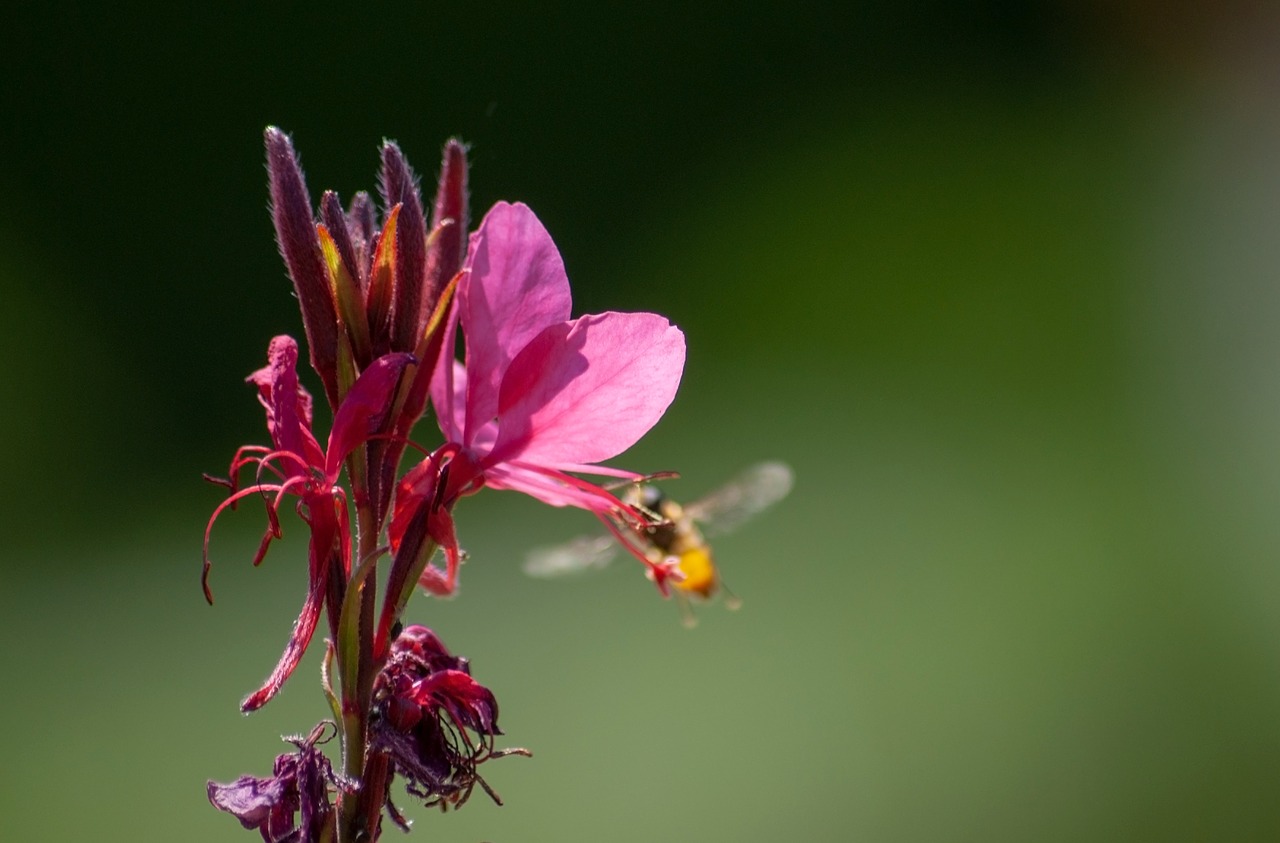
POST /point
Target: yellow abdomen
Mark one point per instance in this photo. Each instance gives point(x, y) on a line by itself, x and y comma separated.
point(699, 572)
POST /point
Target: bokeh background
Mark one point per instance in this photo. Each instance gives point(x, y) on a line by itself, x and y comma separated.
point(997, 278)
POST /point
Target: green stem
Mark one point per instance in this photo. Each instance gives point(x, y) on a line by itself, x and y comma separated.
point(356, 673)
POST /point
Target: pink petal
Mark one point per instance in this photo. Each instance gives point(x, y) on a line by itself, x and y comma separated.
point(363, 411)
point(516, 287)
point(586, 390)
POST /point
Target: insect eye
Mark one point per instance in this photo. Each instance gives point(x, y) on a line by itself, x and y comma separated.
point(651, 498)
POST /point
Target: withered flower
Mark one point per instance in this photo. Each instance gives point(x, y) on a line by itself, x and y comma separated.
point(433, 721)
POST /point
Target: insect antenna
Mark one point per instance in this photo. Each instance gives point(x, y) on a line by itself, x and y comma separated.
point(647, 478)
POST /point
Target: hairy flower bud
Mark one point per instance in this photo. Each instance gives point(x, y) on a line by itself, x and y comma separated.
point(449, 220)
point(400, 187)
point(300, 248)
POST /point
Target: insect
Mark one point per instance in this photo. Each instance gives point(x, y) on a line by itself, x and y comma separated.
point(674, 532)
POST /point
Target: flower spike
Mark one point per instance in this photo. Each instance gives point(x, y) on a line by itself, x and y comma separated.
point(390, 294)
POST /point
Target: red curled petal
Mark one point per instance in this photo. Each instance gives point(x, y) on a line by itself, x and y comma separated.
point(287, 404)
point(467, 701)
point(325, 536)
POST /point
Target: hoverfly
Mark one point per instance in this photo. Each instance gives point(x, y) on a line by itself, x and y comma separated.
point(674, 532)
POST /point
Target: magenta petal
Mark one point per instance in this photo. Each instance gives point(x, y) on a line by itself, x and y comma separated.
point(585, 391)
point(364, 409)
point(302, 632)
point(441, 529)
point(516, 287)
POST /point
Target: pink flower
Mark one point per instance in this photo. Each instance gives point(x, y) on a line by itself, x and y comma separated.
point(299, 467)
point(541, 396)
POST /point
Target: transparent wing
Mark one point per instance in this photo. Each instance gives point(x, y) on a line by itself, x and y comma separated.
point(742, 498)
point(580, 554)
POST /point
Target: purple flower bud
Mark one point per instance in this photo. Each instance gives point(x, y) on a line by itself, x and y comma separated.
point(300, 248)
point(400, 187)
point(336, 221)
point(361, 223)
point(449, 221)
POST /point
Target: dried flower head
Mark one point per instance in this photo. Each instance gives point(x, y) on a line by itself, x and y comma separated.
point(435, 723)
point(293, 804)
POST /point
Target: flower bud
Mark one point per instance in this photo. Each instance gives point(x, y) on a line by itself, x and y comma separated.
point(300, 248)
point(449, 220)
point(400, 187)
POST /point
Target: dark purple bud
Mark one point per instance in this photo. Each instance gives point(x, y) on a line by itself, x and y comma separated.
point(380, 296)
point(361, 216)
point(335, 220)
point(343, 266)
point(362, 223)
point(300, 248)
point(400, 186)
point(449, 221)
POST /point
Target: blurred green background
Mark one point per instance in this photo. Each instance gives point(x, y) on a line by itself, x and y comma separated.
point(997, 278)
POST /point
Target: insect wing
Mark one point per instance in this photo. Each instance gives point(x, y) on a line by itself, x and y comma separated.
point(742, 498)
point(580, 554)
